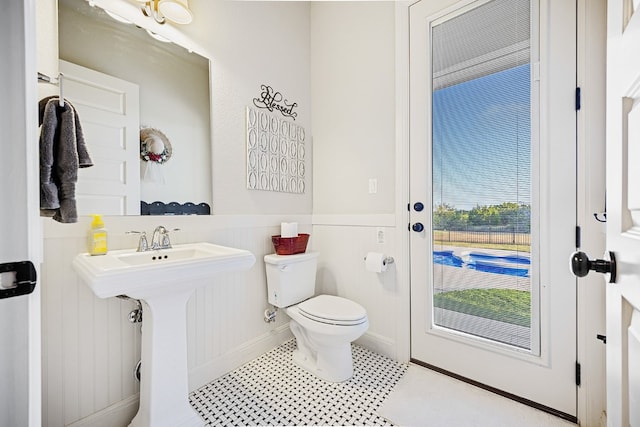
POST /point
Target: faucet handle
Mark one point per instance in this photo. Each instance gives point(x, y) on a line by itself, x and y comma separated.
point(166, 243)
point(143, 244)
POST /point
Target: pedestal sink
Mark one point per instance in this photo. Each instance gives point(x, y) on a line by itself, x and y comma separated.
point(163, 280)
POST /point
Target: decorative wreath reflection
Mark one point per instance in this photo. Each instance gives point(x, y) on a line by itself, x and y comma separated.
point(155, 150)
point(154, 146)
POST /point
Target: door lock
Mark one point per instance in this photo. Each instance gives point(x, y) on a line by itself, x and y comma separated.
point(581, 265)
point(417, 227)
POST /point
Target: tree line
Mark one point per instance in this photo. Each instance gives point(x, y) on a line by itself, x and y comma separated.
point(511, 216)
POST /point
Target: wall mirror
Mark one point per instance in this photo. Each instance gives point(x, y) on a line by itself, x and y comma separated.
point(174, 98)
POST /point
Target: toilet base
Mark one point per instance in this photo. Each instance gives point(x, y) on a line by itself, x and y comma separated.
point(324, 349)
point(334, 364)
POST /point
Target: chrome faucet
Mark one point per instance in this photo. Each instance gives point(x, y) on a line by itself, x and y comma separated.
point(160, 239)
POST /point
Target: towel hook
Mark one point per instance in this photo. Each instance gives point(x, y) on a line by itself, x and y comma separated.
point(60, 90)
point(46, 79)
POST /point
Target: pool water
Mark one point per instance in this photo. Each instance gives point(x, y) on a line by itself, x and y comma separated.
point(511, 265)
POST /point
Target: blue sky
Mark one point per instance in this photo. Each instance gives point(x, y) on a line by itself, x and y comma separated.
point(482, 141)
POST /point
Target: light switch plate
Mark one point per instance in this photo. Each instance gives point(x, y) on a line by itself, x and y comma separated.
point(373, 186)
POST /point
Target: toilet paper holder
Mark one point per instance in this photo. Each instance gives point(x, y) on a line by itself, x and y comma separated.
point(388, 260)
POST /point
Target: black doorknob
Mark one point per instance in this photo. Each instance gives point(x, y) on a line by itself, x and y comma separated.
point(418, 206)
point(417, 227)
point(581, 265)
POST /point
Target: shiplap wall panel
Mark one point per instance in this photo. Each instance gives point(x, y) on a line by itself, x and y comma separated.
point(52, 340)
point(341, 271)
point(74, 310)
point(89, 348)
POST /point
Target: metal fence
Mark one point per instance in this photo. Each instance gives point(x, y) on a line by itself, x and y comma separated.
point(487, 237)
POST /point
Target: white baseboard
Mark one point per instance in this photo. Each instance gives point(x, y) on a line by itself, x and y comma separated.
point(363, 220)
point(237, 357)
point(117, 415)
point(379, 344)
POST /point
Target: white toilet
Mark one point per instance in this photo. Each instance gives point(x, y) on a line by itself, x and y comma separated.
point(324, 326)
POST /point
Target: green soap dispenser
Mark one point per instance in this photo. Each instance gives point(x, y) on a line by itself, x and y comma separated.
point(97, 236)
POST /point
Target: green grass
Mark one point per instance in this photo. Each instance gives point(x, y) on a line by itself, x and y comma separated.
point(507, 305)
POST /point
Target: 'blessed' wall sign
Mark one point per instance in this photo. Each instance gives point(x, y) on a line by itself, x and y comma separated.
point(272, 100)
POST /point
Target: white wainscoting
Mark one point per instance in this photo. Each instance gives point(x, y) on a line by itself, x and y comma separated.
point(343, 241)
point(89, 347)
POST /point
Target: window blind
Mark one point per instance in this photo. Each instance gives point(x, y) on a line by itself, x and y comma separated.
point(492, 37)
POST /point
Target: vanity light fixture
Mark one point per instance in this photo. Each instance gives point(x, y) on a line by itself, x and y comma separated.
point(174, 10)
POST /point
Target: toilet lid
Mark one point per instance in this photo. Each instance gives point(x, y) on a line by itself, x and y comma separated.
point(333, 310)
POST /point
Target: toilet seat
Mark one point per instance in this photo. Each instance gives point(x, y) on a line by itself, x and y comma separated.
point(333, 310)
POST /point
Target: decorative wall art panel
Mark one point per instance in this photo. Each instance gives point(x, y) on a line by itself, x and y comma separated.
point(276, 151)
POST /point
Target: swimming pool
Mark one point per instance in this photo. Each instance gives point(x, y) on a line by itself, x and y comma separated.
point(511, 265)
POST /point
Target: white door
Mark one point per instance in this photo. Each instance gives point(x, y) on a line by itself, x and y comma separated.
point(623, 216)
point(19, 223)
point(109, 110)
point(493, 201)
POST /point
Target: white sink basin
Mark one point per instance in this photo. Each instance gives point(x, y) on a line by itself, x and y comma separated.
point(140, 274)
point(163, 280)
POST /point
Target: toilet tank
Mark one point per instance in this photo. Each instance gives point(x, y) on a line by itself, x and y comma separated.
point(290, 278)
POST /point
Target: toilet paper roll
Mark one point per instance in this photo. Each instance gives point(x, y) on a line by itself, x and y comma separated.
point(289, 229)
point(8, 280)
point(375, 263)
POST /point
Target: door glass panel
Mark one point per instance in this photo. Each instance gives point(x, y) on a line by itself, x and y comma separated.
point(632, 109)
point(482, 175)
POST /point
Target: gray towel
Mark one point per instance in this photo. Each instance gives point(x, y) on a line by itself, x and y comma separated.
point(62, 152)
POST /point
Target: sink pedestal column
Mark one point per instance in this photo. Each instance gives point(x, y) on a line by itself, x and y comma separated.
point(164, 385)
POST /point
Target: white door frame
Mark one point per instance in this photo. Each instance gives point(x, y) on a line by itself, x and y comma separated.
point(591, 40)
point(591, 194)
point(20, 230)
point(623, 225)
point(545, 374)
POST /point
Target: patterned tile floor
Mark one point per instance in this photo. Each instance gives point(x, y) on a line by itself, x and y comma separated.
point(272, 390)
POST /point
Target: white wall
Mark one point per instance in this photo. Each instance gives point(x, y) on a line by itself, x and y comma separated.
point(353, 104)
point(254, 43)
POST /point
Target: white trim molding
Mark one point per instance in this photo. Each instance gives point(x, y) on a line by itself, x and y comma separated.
point(363, 220)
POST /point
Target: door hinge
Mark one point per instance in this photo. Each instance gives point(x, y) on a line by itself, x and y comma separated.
point(578, 237)
point(578, 98)
point(578, 374)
